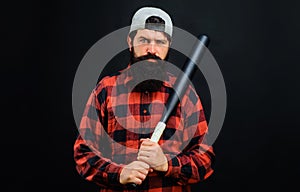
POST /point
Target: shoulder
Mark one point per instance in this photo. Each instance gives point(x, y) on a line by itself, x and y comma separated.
point(106, 82)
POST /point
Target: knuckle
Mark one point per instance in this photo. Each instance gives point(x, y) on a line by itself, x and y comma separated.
point(130, 177)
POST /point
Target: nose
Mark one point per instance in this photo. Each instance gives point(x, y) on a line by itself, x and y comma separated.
point(151, 48)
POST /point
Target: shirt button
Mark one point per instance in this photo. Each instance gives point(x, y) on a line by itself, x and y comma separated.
point(144, 111)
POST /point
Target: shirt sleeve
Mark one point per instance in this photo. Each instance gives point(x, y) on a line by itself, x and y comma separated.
point(88, 155)
point(195, 162)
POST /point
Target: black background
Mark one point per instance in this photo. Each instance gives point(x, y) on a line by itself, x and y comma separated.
point(255, 43)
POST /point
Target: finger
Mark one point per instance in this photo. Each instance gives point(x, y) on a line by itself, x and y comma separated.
point(147, 143)
point(148, 149)
point(136, 181)
point(143, 171)
point(141, 175)
point(144, 153)
point(145, 139)
point(135, 177)
point(144, 159)
point(140, 170)
point(142, 165)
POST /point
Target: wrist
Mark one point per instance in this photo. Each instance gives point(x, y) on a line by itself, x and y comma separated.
point(164, 167)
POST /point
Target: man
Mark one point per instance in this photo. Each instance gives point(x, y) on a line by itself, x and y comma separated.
point(113, 149)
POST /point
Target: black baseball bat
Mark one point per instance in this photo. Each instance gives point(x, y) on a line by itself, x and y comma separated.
point(180, 86)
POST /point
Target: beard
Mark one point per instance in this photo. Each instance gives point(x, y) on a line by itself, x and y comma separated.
point(148, 72)
point(151, 85)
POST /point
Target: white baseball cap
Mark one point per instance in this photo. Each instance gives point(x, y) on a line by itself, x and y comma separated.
point(140, 17)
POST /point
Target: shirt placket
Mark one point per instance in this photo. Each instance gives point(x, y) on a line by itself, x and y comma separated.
point(144, 109)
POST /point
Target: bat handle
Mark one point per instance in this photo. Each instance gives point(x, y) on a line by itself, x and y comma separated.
point(159, 129)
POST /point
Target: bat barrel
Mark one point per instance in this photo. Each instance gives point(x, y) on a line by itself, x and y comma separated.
point(188, 70)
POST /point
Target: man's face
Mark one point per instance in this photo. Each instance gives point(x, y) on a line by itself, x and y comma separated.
point(149, 41)
point(148, 48)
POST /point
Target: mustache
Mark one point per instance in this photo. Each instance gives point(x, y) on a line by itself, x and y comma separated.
point(145, 57)
point(149, 56)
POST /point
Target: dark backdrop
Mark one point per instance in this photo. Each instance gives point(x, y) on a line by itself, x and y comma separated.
point(255, 43)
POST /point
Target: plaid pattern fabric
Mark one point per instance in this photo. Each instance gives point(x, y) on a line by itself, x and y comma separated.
point(116, 117)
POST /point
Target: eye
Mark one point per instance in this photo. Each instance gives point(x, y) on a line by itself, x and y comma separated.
point(144, 40)
point(161, 42)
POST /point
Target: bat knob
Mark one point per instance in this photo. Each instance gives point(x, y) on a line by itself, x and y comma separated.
point(131, 185)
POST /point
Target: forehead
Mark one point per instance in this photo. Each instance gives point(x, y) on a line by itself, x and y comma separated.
point(151, 34)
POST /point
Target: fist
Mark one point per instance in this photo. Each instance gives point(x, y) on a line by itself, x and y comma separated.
point(134, 172)
point(151, 153)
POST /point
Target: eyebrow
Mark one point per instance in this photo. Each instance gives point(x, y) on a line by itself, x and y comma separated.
point(162, 40)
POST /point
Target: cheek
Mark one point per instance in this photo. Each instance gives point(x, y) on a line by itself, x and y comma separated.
point(139, 50)
point(164, 52)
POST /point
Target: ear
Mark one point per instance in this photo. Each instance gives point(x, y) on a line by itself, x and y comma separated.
point(129, 42)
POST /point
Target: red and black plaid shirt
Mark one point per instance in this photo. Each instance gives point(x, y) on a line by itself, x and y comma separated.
point(117, 117)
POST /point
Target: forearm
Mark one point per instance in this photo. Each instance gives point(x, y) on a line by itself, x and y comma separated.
point(191, 166)
point(95, 168)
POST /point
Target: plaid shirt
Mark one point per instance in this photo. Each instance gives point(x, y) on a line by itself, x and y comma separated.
point(117, 117)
